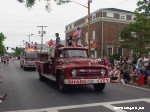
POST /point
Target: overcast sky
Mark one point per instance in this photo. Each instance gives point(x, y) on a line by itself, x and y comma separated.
point(16, 21)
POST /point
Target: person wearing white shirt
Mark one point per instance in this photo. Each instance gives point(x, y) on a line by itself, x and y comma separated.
point(145, 61)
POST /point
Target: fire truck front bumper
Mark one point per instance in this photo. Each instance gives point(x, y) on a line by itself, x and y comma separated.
point(30, 64)
point(86, 81)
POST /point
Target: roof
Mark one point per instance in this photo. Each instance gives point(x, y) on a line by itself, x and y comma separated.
point(119, 10)
point(110, 9)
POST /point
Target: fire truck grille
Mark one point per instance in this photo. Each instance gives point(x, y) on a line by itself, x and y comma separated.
point(88, 72)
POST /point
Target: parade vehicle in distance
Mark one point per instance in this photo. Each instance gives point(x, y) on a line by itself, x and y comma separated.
point(71, 66)
point(28, 58)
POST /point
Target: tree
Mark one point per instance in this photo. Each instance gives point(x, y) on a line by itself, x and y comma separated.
point(136, 35)
point(30, 3)
point(2, 48)
point(17, 51)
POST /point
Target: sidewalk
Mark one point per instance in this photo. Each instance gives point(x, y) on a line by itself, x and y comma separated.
point(143, 86)
point(1, 76)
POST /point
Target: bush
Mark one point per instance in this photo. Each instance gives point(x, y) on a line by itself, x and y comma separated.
point(114, 57)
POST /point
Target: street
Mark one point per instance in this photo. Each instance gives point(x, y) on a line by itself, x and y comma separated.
point(26, 92)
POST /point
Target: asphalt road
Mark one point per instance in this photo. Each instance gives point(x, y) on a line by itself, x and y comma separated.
point(26, 92)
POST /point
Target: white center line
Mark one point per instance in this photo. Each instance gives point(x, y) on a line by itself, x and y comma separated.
point(106, 104)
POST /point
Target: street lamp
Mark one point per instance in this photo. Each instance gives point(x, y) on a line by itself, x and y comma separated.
point(29, 37)
point(88, 7)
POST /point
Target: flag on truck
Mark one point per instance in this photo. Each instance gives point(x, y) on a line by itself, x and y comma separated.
point(51, 43)
point(77, 31)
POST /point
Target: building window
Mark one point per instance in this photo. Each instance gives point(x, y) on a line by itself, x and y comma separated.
point(110, 14)
point(93, 16)
point(69, 27)
point(93, 35)
point(133, 18)
point(123, 17)
point(86, 37)
point(86, 20)
point(109, 51)
point(120, 51)
point(120, 39)
point(72, 25)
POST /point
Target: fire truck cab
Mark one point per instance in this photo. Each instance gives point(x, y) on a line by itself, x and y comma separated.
point(28, 58)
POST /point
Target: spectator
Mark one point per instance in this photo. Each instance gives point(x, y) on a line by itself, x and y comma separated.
point(133, 74)
point(57, 38)
point(4, 60)
point(148, 74)
point(146, 61)
point(125, 75)
point(115, 73)
point(139, 65)
point(119, 77)
point(130, 60)
point(140, 78)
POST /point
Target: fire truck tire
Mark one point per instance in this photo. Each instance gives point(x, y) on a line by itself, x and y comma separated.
point(62, 86)
point(21, 66)
point(41, 78)
point(24, 68)
point(99, 87)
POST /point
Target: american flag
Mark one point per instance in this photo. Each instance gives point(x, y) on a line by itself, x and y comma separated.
point(77, 31)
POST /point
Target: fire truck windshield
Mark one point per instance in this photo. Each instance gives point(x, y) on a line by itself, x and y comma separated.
point(31, 54)
point(75, 52)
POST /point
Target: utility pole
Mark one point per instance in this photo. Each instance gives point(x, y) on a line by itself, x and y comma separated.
point(42, 33)
point(29, 37)
point(89, 18)
point(89, 39)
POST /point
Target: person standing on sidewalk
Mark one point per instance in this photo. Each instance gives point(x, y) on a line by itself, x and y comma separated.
point(4, 60)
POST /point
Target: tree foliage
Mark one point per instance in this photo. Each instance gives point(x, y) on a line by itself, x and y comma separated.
point(136, 35)
point(2, 48)
point(18, 51)
point(31, 3)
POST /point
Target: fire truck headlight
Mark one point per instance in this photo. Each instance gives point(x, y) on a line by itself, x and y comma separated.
point(73, 72)
point(103, 72)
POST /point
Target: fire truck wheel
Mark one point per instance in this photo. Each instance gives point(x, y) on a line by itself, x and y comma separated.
point(61, 84)
point(24, 68)
point(99, 87)
point(41, 78)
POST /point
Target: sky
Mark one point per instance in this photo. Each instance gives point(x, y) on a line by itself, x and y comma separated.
point(17, 21)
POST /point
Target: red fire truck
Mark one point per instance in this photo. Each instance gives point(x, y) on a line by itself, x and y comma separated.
point(28, 58)
point(71, 66)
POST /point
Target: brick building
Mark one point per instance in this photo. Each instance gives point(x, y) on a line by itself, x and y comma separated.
point(105, 27)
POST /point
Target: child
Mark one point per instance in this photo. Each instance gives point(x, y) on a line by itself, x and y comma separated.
point(140, 78)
